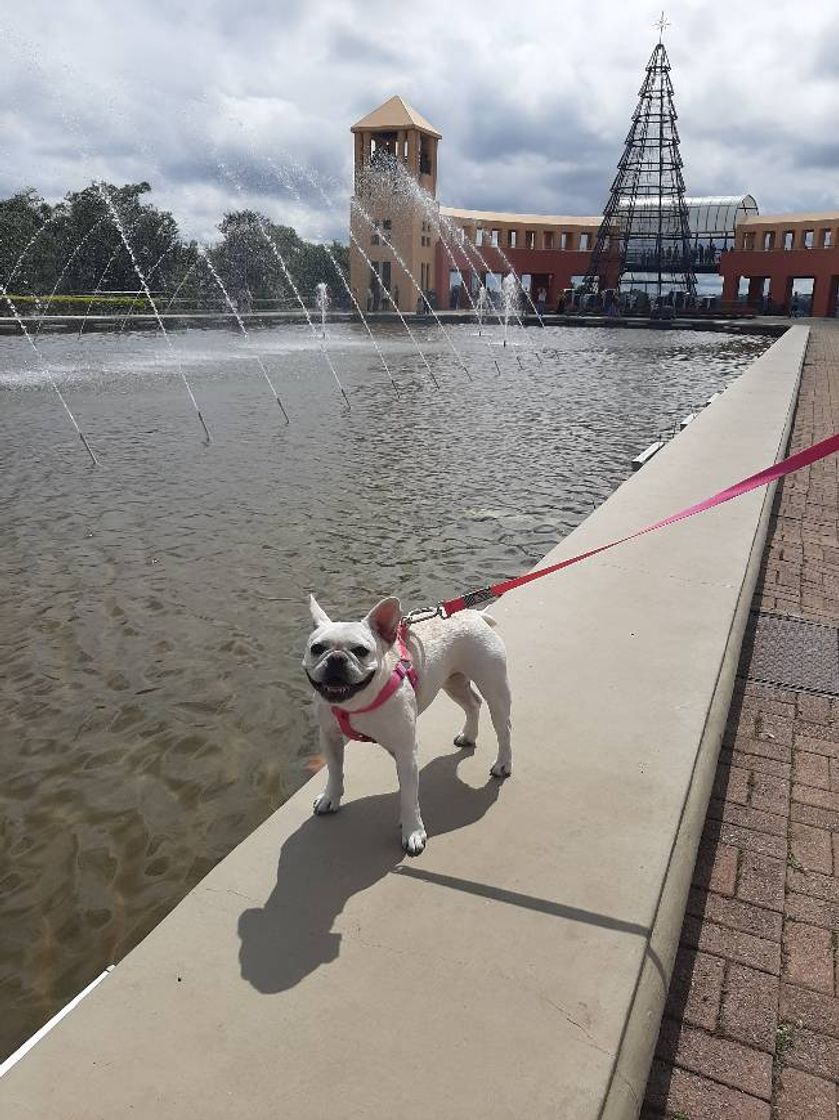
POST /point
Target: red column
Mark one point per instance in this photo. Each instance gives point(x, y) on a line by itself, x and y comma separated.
point(755, 290)
point(821, 297)
point(730, 287)
point(779, 290)
point(833, 290)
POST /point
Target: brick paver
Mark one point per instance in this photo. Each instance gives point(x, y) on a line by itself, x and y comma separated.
point(751, 1025)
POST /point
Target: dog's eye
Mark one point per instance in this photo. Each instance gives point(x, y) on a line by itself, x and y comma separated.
point(360, 651)
point(317, 649)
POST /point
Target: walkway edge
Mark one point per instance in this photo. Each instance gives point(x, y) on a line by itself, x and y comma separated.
point(634, 1059)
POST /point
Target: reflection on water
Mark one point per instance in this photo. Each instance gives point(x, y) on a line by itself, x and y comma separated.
point(154, 612)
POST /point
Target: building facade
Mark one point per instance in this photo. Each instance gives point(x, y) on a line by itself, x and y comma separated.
point(393, 213)
point(774, 253)
point(408, 251)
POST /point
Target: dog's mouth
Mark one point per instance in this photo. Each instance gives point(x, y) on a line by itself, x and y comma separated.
point(339, 693)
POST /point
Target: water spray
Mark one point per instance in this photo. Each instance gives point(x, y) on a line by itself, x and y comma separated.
point(43, 313)
point(205, 256)
point(8, 281)
point(97, 290)
point(289, 185)
point(149, 275)
point(322, 302)
point(389, 244)
point(103, 194)
point(312, 326)
point(48, 372)
point(290, 281)
point(319, 188)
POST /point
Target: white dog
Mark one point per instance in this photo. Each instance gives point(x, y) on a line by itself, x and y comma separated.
point(375, 676)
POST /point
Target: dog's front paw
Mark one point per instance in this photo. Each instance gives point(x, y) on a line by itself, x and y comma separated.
point(501, 769)
point(414, 842)
point(464, 743)
point(326, 803)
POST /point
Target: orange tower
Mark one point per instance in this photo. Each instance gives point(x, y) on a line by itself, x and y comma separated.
point(393, 145)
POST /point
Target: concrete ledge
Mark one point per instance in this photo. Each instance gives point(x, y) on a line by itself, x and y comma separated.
point(221, 319)
point(519, 967)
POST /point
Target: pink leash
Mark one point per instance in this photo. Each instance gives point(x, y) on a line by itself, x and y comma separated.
point(483, 595)
point(762, 478)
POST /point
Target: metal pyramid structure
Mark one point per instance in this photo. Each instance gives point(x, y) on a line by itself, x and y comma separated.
point(644, 240)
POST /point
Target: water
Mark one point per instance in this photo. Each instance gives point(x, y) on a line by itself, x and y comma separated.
point(509, 301)
point(423, 298)
point(154, 609)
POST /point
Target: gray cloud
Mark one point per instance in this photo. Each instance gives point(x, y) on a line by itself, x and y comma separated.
point(198, 98)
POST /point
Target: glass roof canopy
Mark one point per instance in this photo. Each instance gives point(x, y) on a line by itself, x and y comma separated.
point(711, 217)
point(717, 217)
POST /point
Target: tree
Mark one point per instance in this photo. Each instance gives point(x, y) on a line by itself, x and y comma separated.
point(89, 231)
point(24, 219)
point(252, 253)
point(76, 247)
point(317, 263)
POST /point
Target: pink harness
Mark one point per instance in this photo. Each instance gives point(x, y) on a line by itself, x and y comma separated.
point(404, 668)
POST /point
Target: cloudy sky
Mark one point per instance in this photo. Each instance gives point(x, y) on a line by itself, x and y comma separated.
point(213, 102)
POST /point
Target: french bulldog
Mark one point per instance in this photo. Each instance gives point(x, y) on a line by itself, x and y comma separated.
point(354, 668)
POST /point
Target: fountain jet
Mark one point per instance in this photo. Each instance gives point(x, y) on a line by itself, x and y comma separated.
point(205, 256)
point(289, 185)
point(17, 317)
point(121, 230)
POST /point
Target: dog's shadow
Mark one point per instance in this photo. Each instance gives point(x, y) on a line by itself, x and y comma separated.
point(329, 859)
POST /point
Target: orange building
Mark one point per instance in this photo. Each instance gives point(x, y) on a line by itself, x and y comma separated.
point(477, 247)
point(392, 229)
point(408, 251)
point(773, 253)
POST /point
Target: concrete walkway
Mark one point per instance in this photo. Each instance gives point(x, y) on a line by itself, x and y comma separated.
point(751, 1029)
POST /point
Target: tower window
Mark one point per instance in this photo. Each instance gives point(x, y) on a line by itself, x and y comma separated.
point(809, 235)
point(479, 237)
point(425, 157)
point(530, 238)
point(549, 239)
point(827, 238)
point(585, 240)
point(512, 238)
point(769, 240)
point(495, 236)
point(789, 237)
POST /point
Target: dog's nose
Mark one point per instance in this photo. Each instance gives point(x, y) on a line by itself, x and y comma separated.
point(336, 665)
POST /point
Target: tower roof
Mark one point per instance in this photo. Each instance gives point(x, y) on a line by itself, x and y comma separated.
point(394, 114)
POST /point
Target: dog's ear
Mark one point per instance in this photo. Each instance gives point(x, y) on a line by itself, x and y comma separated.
point(319, 615)
point(384, 619)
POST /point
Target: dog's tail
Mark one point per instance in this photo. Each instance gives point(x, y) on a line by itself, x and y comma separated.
point(488, 619)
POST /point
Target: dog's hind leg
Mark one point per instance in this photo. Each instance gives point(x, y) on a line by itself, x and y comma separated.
point(495, 689)
point(500, 702)
point(459, 687)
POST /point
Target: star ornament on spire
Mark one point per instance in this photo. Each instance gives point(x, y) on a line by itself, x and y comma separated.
point(661, 23)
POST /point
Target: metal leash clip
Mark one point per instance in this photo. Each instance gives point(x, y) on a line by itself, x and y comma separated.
point(423, 614)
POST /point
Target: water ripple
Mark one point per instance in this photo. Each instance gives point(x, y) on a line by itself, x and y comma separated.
point(154, 609)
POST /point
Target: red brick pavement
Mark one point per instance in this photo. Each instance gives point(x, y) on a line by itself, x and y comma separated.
point(751, 1026)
